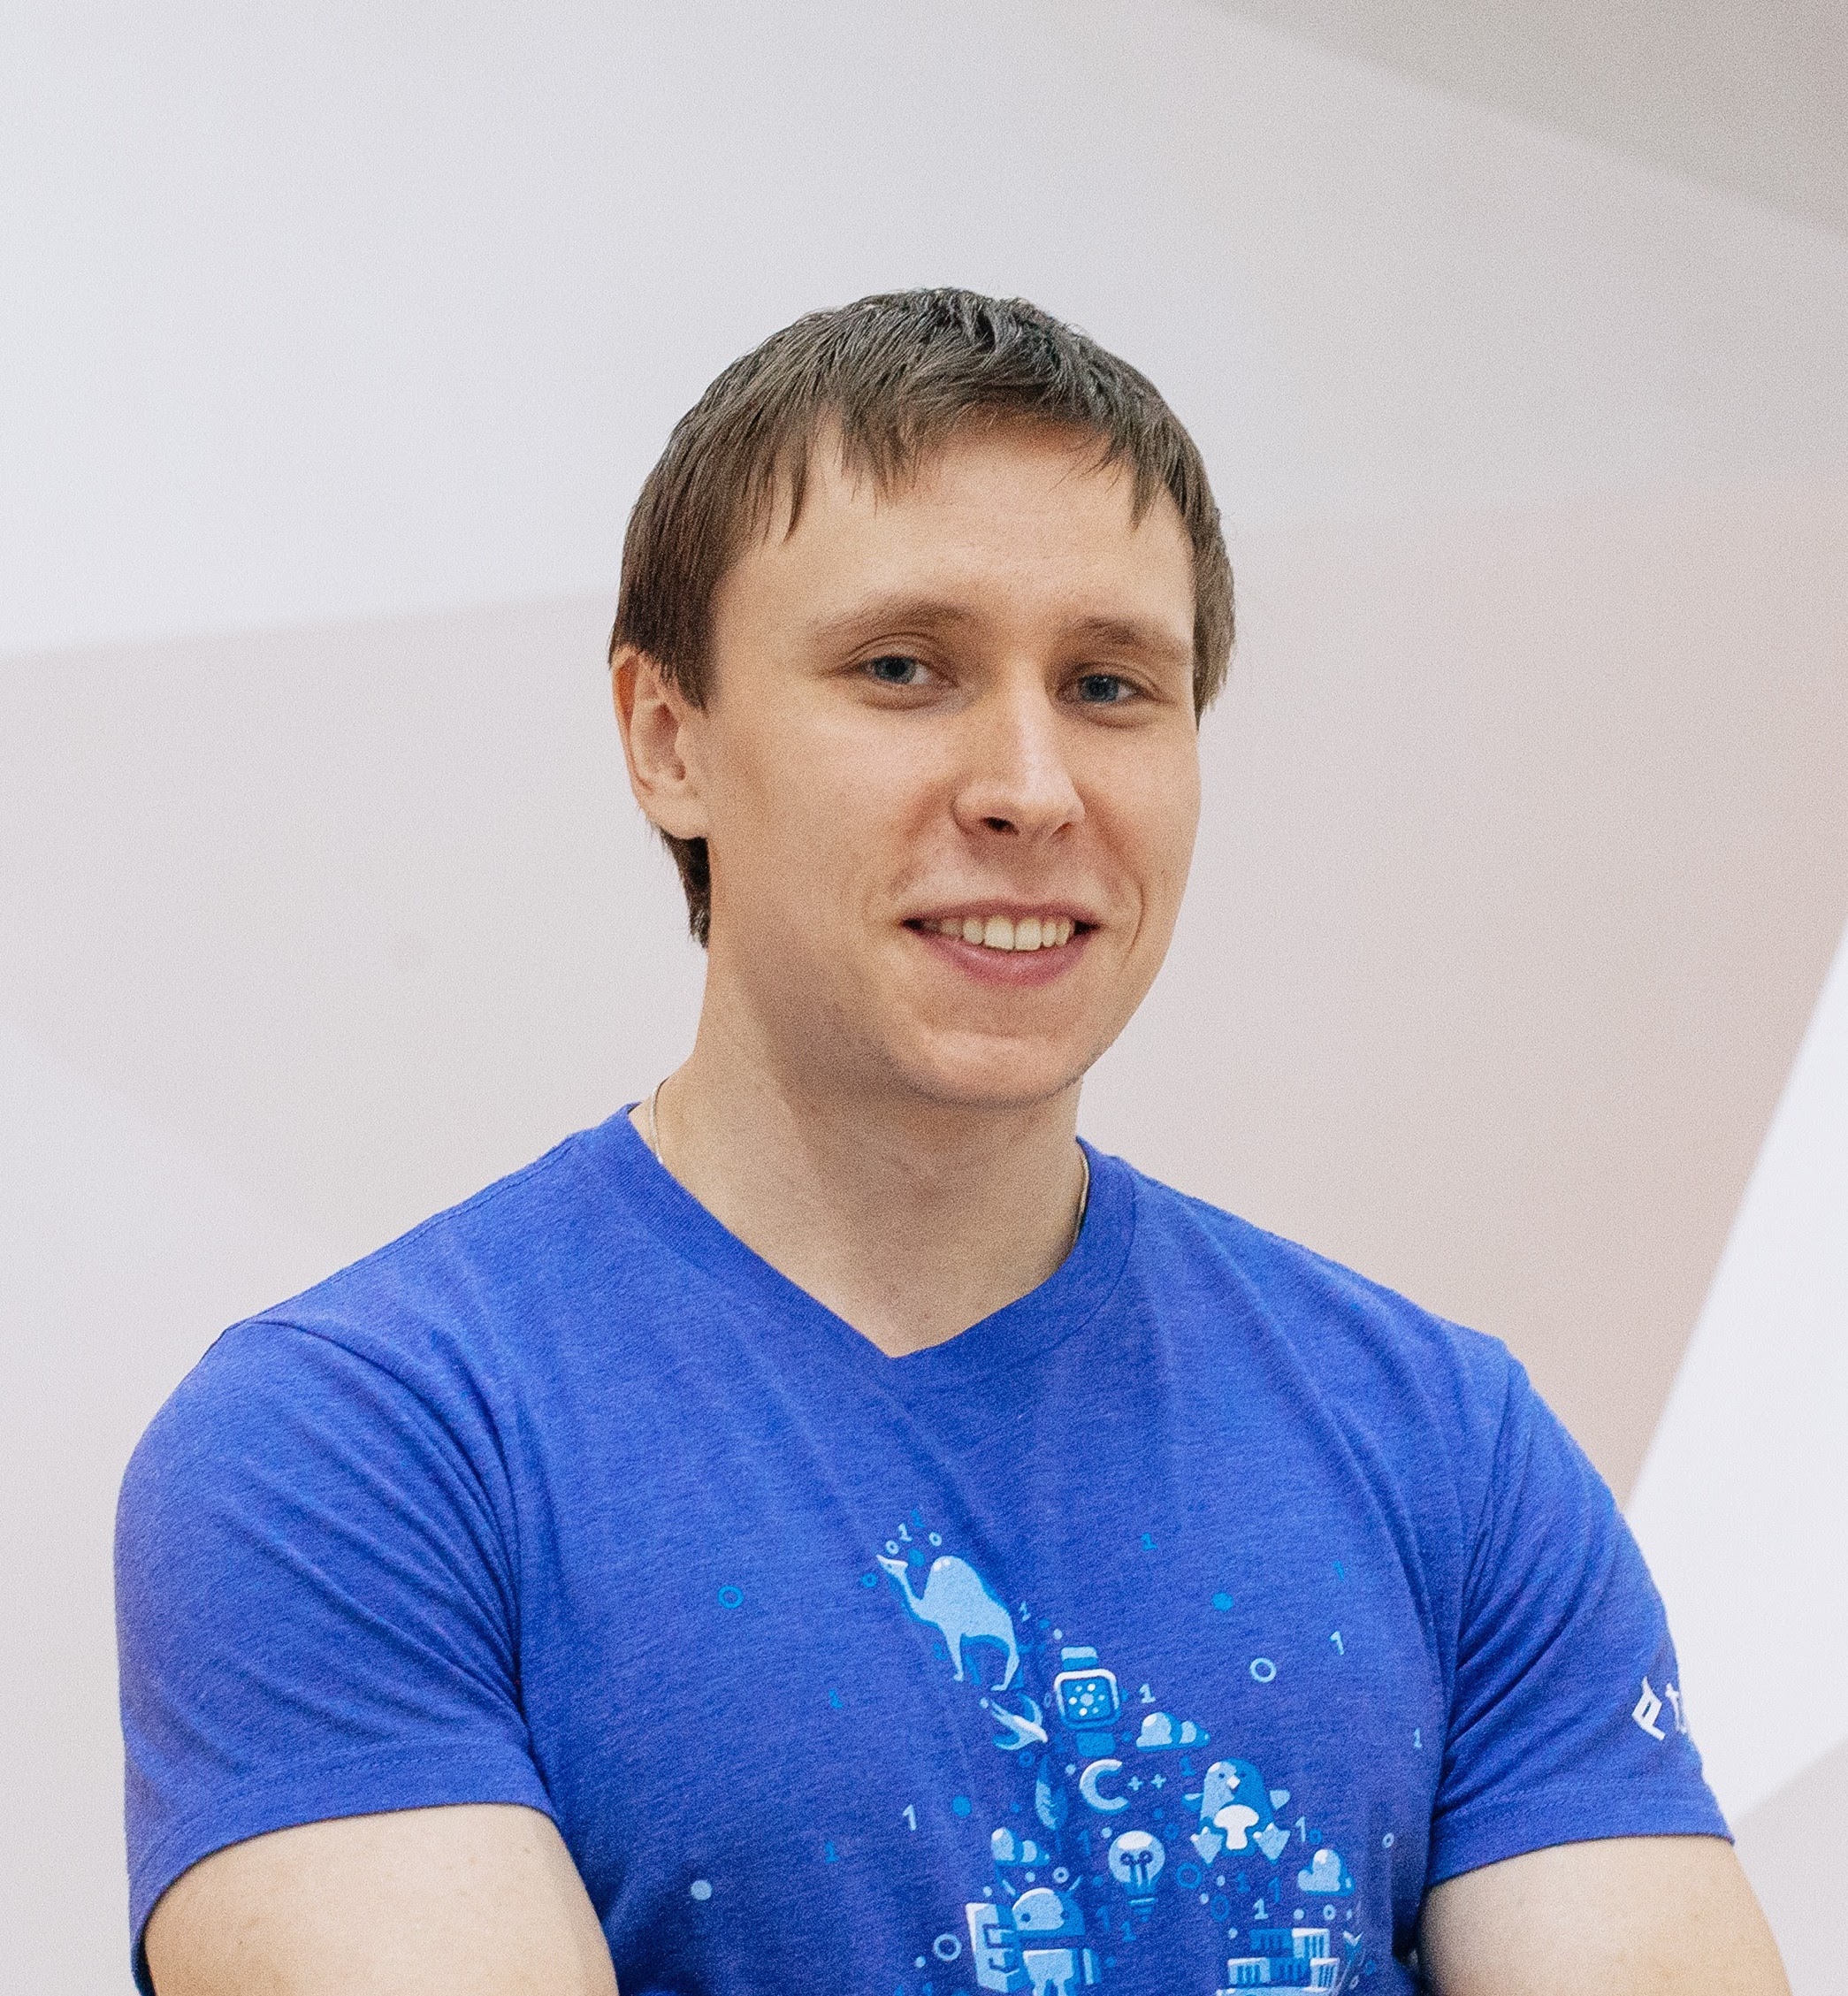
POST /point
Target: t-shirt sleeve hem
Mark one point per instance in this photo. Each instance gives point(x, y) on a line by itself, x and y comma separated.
point(368, 1783)
point(1485, 1832)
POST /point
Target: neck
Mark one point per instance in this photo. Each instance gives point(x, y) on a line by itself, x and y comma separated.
point(911, 1220)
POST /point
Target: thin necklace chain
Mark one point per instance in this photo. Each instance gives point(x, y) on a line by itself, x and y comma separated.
point(1084, 1159)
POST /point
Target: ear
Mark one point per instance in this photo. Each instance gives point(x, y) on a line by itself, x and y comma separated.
point(660, 727)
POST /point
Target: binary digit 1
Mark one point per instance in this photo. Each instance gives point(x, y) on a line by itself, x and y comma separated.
point(1148, 1695)
point(911, 1816)
point(1340, 1647)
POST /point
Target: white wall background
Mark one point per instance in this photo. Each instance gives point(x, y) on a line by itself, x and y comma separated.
point(1743, 1502)
point(323, 315)
point(342, 310)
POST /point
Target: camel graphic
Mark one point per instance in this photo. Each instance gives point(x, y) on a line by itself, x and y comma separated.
point(958, 1603)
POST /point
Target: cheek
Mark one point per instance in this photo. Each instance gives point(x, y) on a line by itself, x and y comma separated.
point(809, 816)
point(1153, 827)
point(1183, 826)
point(772, 788)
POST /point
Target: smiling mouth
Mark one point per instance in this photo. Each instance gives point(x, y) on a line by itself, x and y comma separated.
point(1006, 932)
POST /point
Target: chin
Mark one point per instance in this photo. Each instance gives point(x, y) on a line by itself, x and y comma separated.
point(993, 1077)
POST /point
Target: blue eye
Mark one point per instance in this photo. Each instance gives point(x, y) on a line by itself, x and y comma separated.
point(1103, 689)
point(895, 670)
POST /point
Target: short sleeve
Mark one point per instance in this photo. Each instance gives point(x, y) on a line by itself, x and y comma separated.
point(1567, 1721)
point(315, 1608)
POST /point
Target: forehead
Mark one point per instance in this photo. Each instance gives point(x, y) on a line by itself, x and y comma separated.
point(1014, 520)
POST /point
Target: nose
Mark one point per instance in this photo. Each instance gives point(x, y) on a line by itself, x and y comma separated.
point(1015, 780)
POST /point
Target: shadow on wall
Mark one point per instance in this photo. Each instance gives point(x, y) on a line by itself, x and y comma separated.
point(1523, 864)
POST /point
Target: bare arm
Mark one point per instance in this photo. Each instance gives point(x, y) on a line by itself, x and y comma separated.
point(1635, 1916)
point(477, 1900)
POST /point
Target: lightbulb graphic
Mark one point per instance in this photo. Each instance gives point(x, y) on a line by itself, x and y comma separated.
point(1136, 1861)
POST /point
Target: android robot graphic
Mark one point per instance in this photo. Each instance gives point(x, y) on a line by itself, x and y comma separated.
point(1036, 1944)
point(1134, 1827)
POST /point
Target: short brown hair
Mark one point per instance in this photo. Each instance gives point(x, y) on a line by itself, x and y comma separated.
point(893, 375)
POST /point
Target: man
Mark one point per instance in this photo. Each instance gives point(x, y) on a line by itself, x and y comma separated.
point(825, 1530)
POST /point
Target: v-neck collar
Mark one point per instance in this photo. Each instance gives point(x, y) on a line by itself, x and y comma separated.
point(811, 1335)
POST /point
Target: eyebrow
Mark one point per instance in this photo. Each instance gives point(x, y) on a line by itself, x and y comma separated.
point(1133, 635)
point(885, 613)
point(927, 613)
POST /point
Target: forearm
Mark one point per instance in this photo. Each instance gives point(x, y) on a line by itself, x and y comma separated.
point(476, 1901)
point(1632, 1915)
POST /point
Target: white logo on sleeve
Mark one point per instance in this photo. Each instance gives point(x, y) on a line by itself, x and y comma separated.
point(1648, 1710)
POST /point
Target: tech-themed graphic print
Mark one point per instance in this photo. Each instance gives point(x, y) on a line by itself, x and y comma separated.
point(1170, 1632)
point(1124, 1816)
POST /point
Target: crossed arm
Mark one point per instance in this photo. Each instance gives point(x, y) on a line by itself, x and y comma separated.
point(484, 1901)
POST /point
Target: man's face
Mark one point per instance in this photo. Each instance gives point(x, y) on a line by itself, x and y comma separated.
point(939, 720)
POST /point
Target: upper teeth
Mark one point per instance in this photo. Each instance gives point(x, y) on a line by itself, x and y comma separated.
point(999, 932)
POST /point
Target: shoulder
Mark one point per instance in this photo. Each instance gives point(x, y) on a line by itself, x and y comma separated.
point(432, 1332)
point(1368, 1354)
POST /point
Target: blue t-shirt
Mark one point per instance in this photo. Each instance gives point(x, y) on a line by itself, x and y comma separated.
point(1174, 1630)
